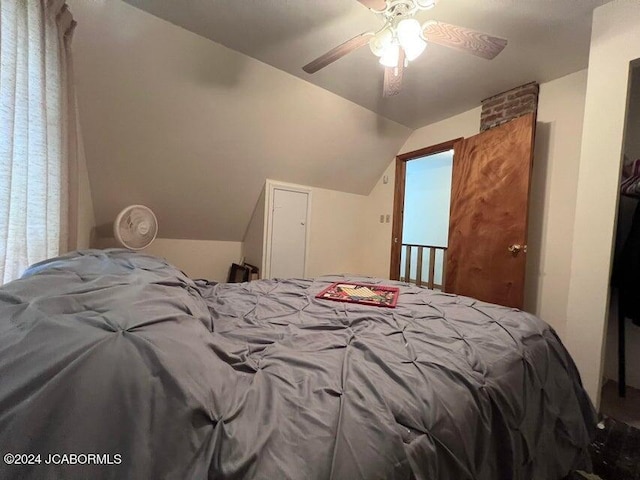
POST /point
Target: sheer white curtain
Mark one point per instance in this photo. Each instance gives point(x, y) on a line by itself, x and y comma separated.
point(38, 142)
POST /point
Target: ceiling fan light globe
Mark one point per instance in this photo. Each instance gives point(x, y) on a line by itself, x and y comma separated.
point(409, 35)
point(376, 48)
point(414, 49)
point(408, 29)
point(381, 41)
point(390, 56)
point(426, 4)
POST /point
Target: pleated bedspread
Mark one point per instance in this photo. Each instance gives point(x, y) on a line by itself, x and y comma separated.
point(122, 356)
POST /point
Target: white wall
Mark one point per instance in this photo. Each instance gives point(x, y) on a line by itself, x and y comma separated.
point(376, 250)
point(337, 237)
point(86, 219)
point(253, 242)
point(465, 124)
point(206, 259)
point(554, 184)
point(615, 41)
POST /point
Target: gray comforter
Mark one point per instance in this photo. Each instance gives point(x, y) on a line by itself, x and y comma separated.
point(116, 365)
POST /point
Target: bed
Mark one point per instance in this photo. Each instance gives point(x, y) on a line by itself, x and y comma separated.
point(116, 365)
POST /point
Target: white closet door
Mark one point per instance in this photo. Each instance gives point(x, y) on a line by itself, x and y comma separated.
point(288, 233)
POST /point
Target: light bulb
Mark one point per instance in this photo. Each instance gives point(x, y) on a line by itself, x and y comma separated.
point(390, 56)
point(414, 49)
point(409, 35)
point(380, 41)
point(408, 28)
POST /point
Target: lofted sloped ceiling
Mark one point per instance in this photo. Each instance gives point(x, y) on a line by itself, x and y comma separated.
point(192, 129)
point(547, 40)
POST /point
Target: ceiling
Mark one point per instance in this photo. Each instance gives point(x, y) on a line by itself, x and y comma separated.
point(547, 39)
point(192, 129)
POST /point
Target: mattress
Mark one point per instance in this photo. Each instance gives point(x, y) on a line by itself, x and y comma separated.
point(116, 365)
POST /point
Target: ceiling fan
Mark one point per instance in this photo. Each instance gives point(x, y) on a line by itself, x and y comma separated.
point(402, 39)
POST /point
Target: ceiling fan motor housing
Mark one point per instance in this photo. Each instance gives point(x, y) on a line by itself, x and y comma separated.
point(401, 31)
point(406, 7)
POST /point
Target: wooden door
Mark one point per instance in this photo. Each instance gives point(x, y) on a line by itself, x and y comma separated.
point(489, 206)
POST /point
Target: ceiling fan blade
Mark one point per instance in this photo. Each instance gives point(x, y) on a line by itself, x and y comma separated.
point(377, 5)
point(338, 52)
point(463, 39)
point(393, 77)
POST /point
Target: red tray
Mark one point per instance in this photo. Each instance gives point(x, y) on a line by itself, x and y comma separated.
point(361, 293)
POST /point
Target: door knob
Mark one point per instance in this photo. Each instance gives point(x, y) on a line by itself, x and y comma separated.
point(516, 249)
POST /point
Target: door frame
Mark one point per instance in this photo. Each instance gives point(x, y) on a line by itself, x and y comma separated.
point(398, 197)
point(270, 187)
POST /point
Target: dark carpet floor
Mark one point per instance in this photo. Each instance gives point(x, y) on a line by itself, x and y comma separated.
point(616, 451)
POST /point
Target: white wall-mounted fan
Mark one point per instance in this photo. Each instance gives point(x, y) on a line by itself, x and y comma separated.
point(135, 227)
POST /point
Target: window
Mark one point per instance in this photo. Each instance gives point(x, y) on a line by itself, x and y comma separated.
point(37, 132)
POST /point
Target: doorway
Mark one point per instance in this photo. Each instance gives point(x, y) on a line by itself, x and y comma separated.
point(421, 215)
point(425, 229)
point(485, 255)
point(621, 387)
